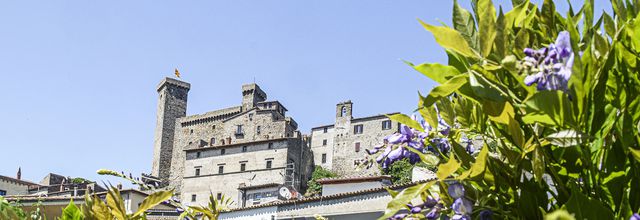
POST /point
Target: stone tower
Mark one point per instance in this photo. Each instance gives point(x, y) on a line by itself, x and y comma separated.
point(172, 104)
point(252, 94)
point(343, 119)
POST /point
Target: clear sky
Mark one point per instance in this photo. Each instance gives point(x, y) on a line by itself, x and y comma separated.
point(78, 78)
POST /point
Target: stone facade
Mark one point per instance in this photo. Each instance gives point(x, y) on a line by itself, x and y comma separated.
point(343, 144)
point(172, 104)
point(242, 139)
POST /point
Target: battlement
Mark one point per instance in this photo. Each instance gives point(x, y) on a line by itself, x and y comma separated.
point(174, 82)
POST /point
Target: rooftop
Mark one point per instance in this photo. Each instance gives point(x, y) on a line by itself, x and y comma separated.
point(356, 179)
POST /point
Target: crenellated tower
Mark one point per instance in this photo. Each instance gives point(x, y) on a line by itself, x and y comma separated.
point(172, 104)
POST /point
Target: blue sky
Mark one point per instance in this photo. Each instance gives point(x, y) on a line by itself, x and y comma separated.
point(79, 77)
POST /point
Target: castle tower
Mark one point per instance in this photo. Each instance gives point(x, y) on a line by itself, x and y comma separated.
point(252, 94)
point(343, 117)
point(172, 104)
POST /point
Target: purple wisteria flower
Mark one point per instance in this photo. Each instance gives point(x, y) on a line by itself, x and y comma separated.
point(456, 190)
point(486, 215)
point(462, 208)
point(469, 145)
point(551, 66)
point(635, 216)
point(407, 137)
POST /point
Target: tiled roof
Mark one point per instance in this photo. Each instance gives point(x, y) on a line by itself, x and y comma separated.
point(355, 179)
point(334, 196)
point(268, 185)
point(14, 180)
point(29, 198)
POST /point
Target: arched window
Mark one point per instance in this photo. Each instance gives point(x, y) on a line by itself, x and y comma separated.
point(212, 142)
point(343, 112)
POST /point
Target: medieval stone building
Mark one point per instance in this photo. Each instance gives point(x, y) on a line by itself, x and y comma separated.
point(340, 147)
point(250, 145)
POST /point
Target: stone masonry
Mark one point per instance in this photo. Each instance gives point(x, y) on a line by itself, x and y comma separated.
point(343, 144)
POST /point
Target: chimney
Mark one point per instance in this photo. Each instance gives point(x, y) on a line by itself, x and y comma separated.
point(19, 175)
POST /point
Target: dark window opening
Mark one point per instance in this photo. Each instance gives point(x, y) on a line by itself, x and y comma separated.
point(270, 146)
point(258, 130)
point(386, 125)
point(324, 142)
point(197, 171)
point(223, 151)
point(198, 154)
point(269, 164)
point(244, 148)
point(357, 129)
point(220, 169)
point(243, 167)
point(325, 130)
point(193, 197)
point(219, 196)
point(324, 158)
point(357, 146)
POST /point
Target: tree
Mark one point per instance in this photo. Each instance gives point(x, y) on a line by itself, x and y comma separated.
point(399, 171)
point(318, 173)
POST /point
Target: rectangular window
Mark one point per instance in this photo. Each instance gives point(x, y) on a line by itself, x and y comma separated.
point(324, 158)
point(243, 166)
point(357, 146)
point(269, 164)
point(270, 145)
point(198, 154)
point(239, 129)
point(386, 125)
point(212, 141)
point(223, 151)
point(357, 129)
point(193, 197)
point(324, 142)
point(244, 148)
point(325, 130)
point(219, 196)
point(258, 130)
point(250, 116)
point(3, 193)
point(220, 169)
point(197, 171)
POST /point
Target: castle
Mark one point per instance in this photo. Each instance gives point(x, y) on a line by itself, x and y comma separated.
point(247, 152)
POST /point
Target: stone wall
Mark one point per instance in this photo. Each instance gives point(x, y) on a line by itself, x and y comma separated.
point(172, 104)
point(13, 188)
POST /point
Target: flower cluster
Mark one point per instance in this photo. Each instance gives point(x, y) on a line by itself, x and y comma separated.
point(461, 206)
point(551, 66)
point(409, 137)
point(431, 204)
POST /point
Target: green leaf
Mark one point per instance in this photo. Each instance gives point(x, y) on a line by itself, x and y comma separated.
point(450, 39)
point(481, 162)
point(487, 25)
point(153, 200)
point(445, 89)
point(445, 170)
point(437, 72)
point(635, 153)
point(484, 89)
point(566, 138)
point(406, 120)
point(538, 164)
point(548, 107)
point(463, 22)
point(609, 25)
point(71, 212)
point(405, 196)
point(430, 115)
point(116, 203)
point(583, 207)
point(516, 15)
point(559, 214)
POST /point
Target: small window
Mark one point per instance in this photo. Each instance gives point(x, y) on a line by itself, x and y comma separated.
point(3, 193)
point(198, 154)
point(324, 142)
point(191, 131)
point(270, 105)
point(222, 141)
point(325, 130)
point(243, 166)
point(324, 158)
point(190, 142)
point(213, 127)
point(270, 146)
point(357, 129)
point(219, 196)
point(244, 148)
point(220, 169)
point(223, 151)
point(250, 116)
point(343, 112)
point(193, 197)
point(197, 171)
point(386, 125)
point(212, 141)
point(239, 129)
point(357, 146)
point(269, 164)
point(258, 130)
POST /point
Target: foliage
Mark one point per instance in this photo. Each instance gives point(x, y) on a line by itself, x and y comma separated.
point(314, 188)
point(568, 145)
point(79, 180)
point(13, 210)
point(399, 171)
